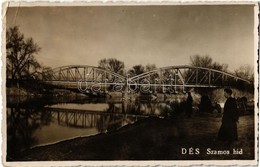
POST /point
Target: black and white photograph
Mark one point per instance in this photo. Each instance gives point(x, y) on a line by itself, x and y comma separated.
point(129, 83)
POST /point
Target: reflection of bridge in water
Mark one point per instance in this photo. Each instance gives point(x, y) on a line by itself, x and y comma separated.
point(173, 77)
point(90, 119)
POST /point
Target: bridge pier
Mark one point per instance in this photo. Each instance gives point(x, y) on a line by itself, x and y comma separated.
point(125, 92)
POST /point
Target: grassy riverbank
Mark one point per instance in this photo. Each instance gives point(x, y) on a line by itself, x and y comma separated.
point(151, 139)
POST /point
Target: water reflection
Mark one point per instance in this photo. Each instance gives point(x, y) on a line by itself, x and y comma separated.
point(34, 122)
point(21, 124)
point(79, 118)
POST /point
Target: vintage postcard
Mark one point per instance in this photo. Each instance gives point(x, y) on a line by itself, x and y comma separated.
point(129, 84)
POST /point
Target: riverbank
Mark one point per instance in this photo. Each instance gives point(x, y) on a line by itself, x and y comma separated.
point(151, 139)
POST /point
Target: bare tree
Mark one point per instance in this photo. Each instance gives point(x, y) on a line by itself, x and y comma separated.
point(20, 54)
point(150, 67)
point(201, 61)
point(136, 70)
point(245, 72)
point(46, 73)
point(112, 65)
point(207, 62)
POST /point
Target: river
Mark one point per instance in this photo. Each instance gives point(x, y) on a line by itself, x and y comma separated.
point(34, 122)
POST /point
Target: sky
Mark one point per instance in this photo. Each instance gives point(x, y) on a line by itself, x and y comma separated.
point(162, 35)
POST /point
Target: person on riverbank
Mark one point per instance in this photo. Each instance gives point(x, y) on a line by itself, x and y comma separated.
point(228, 129)
point(189, 105)
point(205, 104)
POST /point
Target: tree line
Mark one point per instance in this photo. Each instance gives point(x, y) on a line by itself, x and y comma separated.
point(21, 61)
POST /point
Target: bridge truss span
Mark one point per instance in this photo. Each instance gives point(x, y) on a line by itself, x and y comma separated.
point(171, 78)
point(186, 76)
point(76, 73)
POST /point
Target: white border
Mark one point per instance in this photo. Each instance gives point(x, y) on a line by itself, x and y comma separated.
point(127, 163)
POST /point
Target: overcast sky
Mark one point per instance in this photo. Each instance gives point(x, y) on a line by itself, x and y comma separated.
point(161, 35)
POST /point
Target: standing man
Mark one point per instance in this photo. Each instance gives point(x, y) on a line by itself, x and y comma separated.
point(228, 129)
point(189, 105)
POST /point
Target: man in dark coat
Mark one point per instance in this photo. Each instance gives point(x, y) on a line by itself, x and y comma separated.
point(228, 129)
point(189, 105)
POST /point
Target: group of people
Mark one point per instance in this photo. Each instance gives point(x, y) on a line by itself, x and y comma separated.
point(228, 129)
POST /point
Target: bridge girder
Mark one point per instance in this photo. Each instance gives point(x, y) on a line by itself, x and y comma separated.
point(172, 76)
point(189, 75)
point(75, 73)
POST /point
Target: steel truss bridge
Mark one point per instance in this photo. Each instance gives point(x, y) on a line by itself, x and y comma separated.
point(172, 78)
